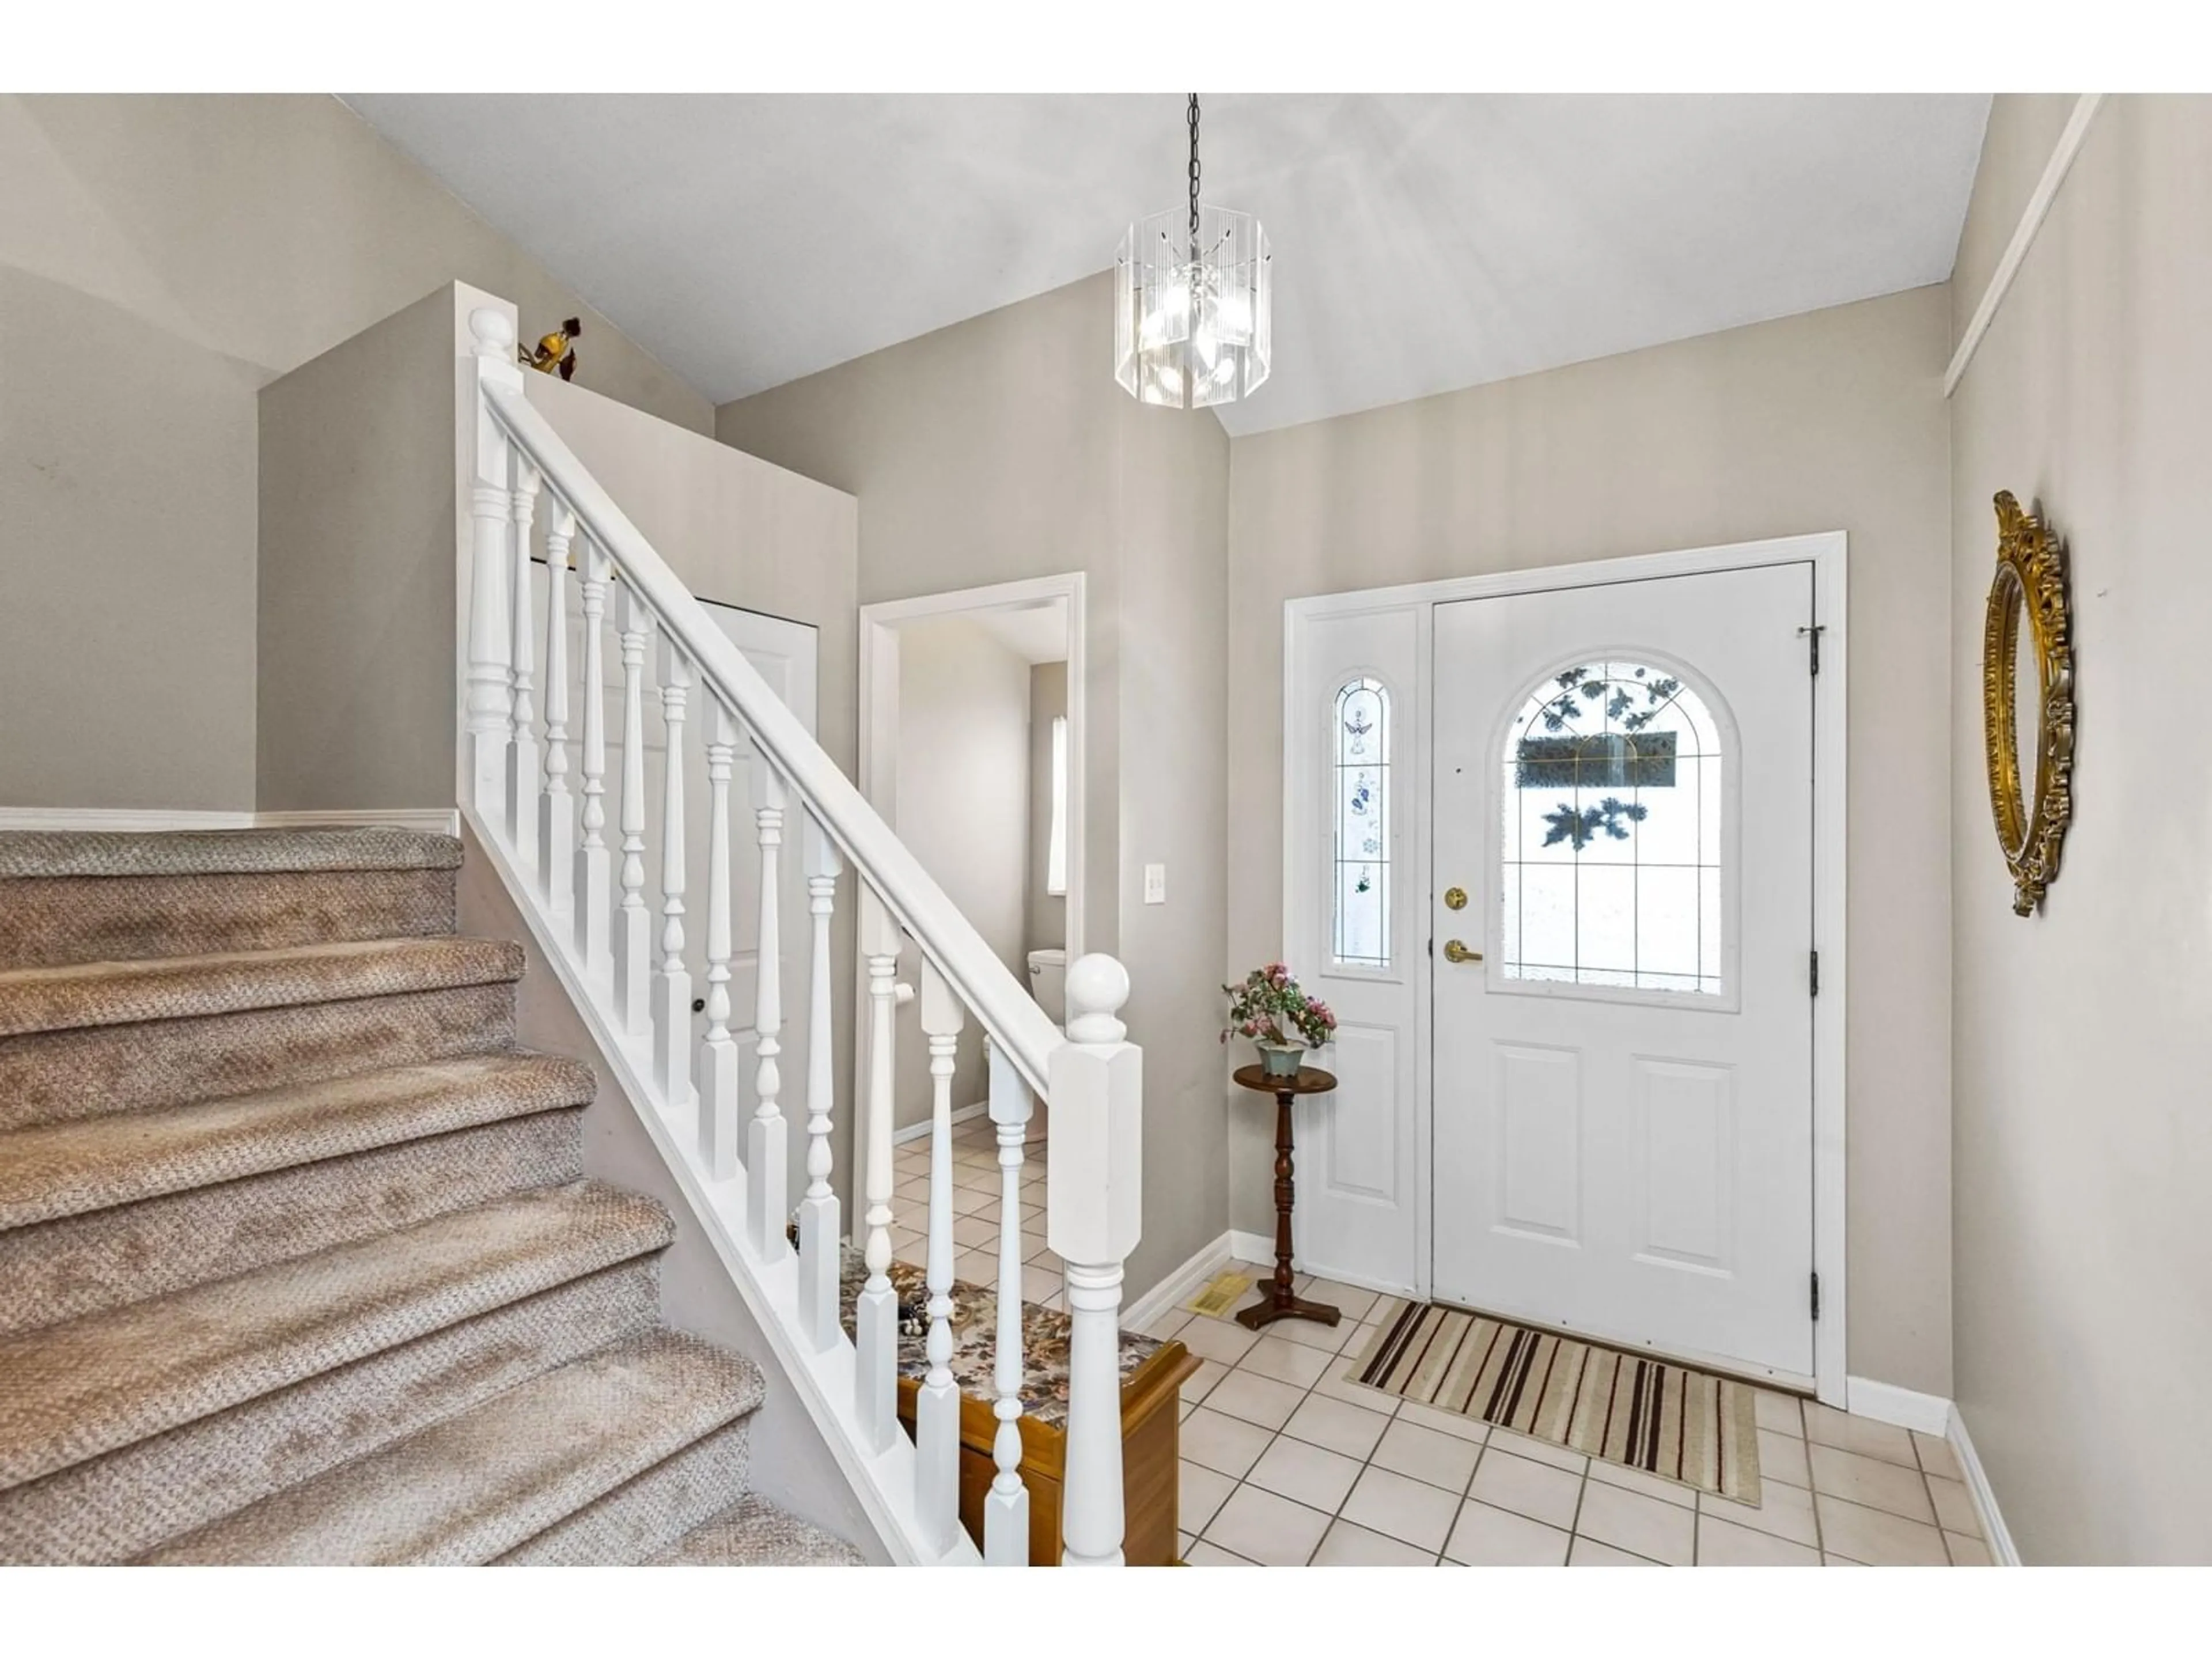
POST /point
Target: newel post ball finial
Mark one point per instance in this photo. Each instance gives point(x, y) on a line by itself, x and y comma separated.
point(1096, 987)
point(494, 332)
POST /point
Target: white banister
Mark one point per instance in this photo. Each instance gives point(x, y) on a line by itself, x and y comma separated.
point(875, 1315)
point(767, 1165)
point(594, 940)
point(1093, 1219)
point(540, 812)
point(522, 753)
point(818, 1229)
point(633, 927)
point(671, 980)
point(488, 716)
point(556, 807)
point(937, 1411)
point(1007, 1510)
point(719, 1053)
point(1001, 1002)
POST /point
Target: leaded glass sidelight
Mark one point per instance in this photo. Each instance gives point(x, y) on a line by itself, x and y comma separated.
point(1611, 867)
point(1361, 872)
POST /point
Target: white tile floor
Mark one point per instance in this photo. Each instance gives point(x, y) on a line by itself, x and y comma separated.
point(1286, 1462)
point(1289, 1462)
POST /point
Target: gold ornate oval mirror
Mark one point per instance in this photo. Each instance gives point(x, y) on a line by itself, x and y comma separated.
point(2027, 701)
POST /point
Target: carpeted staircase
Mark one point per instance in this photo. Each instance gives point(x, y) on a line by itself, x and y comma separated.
point(297, 1263)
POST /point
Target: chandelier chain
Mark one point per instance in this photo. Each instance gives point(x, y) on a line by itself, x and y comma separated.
point(1194, 177)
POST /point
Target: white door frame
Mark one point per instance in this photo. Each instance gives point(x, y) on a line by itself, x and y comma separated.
point(879, 696)
point(1828, 553)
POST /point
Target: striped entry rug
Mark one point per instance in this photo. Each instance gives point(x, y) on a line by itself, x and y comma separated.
point(1667, 1420)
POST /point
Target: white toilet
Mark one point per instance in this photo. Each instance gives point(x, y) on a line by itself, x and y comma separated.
point(1048, 985)
point(1049, 982)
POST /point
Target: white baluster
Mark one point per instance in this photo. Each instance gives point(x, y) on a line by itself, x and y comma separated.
point(594, 873)
point(875, 1316)
point(671, 1020)
point(819, 1265)
point(490, 716)
point(937, 1411)
point(1007, 1510)
point(522, 753)
point(1094, 1217)
point(633, 925)
point(556, 807)
point(768, 1171)
point(718, 1055)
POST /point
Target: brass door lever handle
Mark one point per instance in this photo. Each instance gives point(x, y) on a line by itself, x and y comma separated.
point(1456, 950)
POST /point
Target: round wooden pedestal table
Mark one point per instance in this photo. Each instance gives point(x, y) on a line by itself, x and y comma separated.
point(1281, 1303)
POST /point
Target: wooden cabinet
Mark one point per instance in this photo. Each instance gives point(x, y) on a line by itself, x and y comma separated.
point(1151, 1436)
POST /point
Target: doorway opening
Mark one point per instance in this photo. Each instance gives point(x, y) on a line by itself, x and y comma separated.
point(971, 747)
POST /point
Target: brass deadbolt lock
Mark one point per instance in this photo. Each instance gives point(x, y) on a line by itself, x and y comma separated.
point(1455, 898)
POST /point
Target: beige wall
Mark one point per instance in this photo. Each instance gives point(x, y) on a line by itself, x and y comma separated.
point(1001, 448)
point(2082, 1040)
point(1044, 921)
point(357, 580)
point(1830, 420)
point(961, 806)
point(161, 258)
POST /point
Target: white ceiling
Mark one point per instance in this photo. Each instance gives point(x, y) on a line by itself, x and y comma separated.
point(1422, 243)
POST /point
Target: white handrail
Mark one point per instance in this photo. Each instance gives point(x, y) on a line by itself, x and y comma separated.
point(943, 935)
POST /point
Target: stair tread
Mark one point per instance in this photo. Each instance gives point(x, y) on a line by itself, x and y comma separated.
point(84, 1164)
point(87, 1385)
point(35, 853)
point(477, 1485)
point(756, 1534)
point(96, 994)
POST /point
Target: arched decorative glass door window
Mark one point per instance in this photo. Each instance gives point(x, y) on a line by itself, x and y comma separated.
point(1611, 868)
point(1361, 872)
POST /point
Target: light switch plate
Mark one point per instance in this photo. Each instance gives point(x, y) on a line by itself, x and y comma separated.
point(1156, 883)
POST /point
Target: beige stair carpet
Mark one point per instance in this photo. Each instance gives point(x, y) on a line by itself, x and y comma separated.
point(297, 1263)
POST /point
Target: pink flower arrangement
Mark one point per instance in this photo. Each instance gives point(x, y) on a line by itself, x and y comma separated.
point(1270, 1008)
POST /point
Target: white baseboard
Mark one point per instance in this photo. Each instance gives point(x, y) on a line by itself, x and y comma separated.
point(1994, 1531)
point(1252, 1247)
point(1885, 1402)
point(142, 819)
point(1180, 1286)
point(920, 1131)
point(428, 820)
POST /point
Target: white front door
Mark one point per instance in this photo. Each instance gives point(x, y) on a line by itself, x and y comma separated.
point(1622, 1087)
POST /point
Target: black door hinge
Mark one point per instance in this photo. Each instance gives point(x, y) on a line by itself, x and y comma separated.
point(1812, 632)
point(1815, 959)
point(1816, 1298)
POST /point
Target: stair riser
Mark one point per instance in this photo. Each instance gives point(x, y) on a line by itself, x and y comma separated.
point(113, 919)
point(49, 1076)
point(648, 1514)
point(62, 1269)
point(118, 1506)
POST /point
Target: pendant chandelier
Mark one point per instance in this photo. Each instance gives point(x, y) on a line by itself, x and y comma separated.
point(1193, 303)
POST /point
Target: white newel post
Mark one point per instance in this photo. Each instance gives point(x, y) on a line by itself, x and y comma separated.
point(593, 870)
point(632, 924)
point(818, 1211)
point(1093, 1218)
point(672, 981)
point(937, 1411)
point(556, 812)
point(1006, 1511)
point(767, 1168)
point(489, 714)
point(522, 753)
point(719, 1055)
point(875, 1316)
